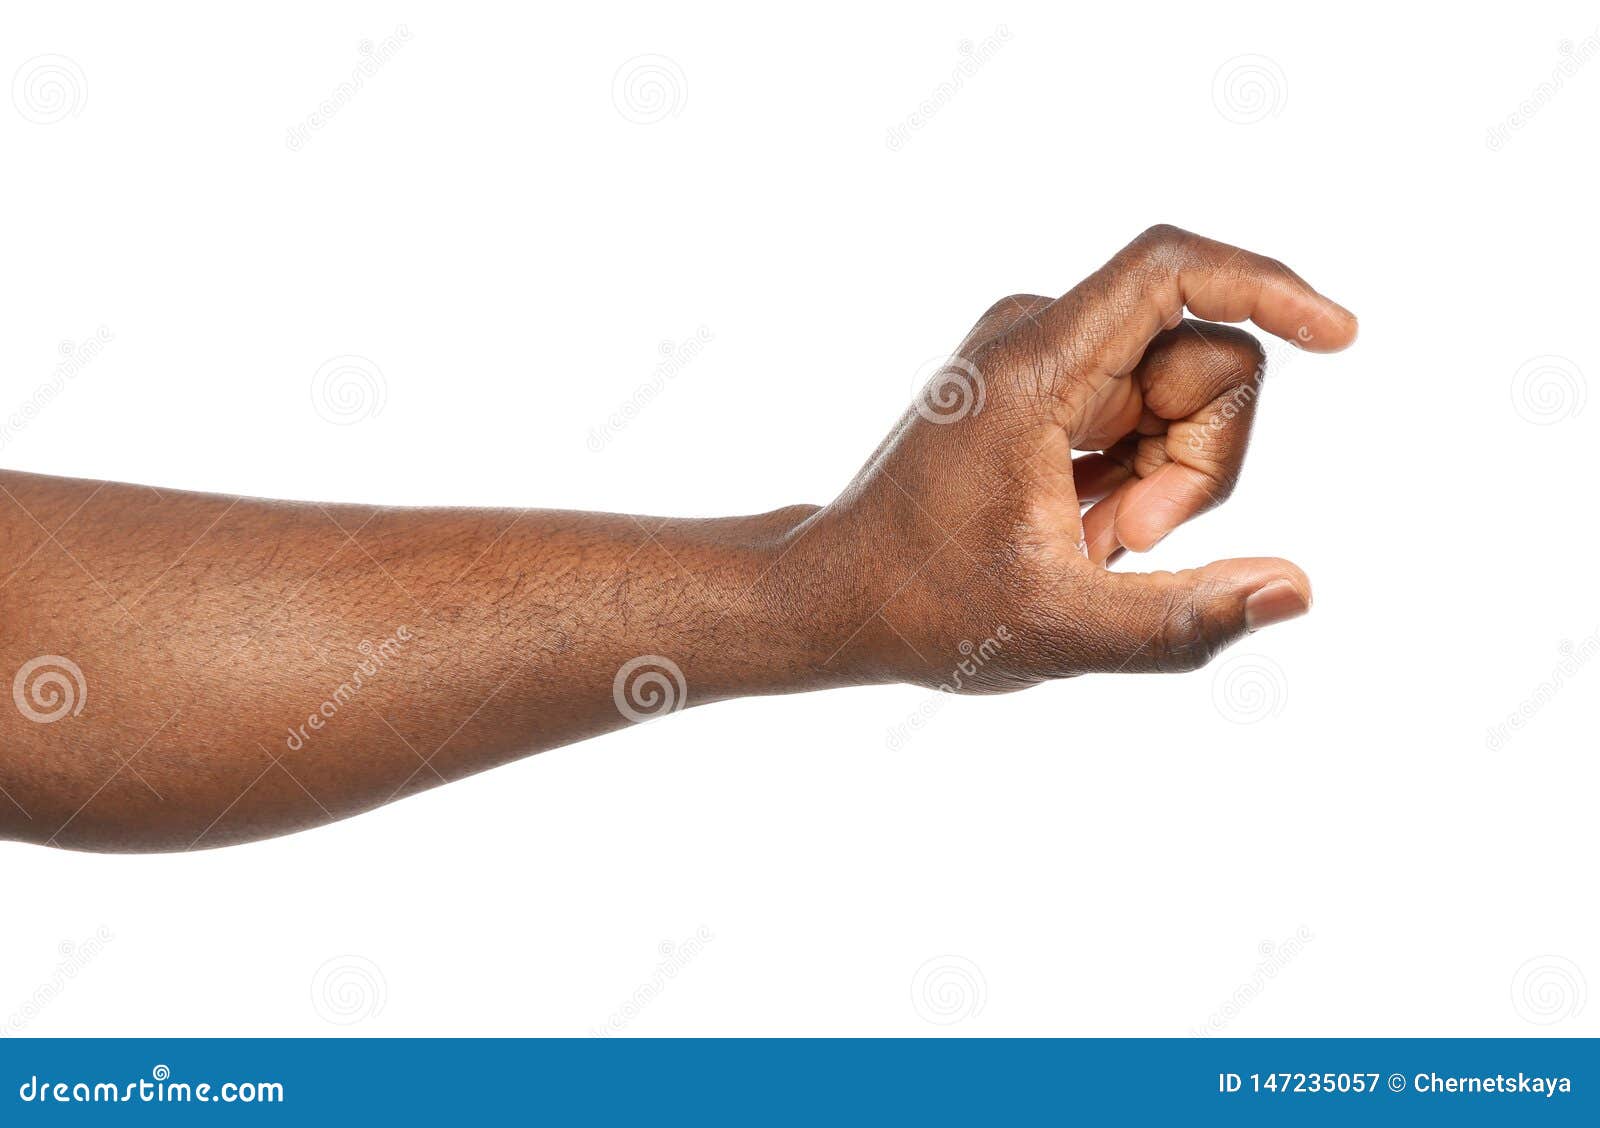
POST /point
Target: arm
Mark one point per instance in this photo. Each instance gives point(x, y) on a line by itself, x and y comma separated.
point(245, 668)
point(192, 670)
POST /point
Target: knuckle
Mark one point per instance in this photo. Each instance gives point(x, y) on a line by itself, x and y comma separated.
point(1221, 488)
point(1245, 350)
point(1187, 640)
point(1157, 250)
point(1016, 307)
point(1232, 358)
point(1162, 233)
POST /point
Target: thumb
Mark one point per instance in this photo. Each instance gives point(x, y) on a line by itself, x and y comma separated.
point(1174, 621)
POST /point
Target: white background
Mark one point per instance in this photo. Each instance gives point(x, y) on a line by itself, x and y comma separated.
point(495, 223)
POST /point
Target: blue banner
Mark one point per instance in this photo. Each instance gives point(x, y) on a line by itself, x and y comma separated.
point(806, 1081)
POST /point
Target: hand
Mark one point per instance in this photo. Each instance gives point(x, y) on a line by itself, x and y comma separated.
point(968, 523)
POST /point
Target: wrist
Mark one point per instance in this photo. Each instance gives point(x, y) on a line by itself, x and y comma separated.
point(824, 591)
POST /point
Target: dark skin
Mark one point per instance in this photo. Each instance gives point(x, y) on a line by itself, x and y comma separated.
point(210, 636)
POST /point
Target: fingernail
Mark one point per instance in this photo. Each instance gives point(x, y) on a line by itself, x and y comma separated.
point(1277, 602)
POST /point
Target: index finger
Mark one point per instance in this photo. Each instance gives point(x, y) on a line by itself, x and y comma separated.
point(1104, 324)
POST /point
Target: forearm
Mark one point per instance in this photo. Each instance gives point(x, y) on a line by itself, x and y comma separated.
point(250, 668)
